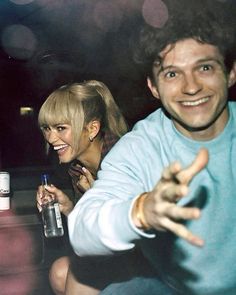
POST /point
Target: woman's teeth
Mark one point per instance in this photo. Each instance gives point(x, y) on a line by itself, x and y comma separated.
point(59, 147)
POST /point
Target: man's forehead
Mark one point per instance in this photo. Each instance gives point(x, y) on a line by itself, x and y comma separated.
point(166, 50)
point(187, 51)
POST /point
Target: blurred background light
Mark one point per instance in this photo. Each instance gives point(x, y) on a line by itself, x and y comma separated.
point(155, 13)
point(19, 42)
point(21, 2)
point(26, 111)
point(107, 16)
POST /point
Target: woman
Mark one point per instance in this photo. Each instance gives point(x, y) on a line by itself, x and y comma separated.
point(81, 122)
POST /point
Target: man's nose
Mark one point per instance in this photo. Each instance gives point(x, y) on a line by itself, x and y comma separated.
point(191, 85)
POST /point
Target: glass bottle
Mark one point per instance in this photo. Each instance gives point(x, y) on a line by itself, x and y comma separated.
point(4, 191)
point(51, 215)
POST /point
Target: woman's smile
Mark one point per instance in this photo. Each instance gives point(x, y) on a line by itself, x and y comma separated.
point(61, 149)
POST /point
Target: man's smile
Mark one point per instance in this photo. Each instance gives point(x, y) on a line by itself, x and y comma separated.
point(196, 102)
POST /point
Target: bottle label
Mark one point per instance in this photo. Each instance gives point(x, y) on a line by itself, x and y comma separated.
point(4, 182)
point(58, 215)
point(4, 203)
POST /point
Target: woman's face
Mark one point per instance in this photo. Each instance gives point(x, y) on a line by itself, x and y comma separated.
point(60, 137)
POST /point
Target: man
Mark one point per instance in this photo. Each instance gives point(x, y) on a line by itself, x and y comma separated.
point(169, 185)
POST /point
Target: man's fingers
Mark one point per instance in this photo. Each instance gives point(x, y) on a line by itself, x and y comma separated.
point(171, 170)
point(172, 192)
point(181, 231)
point(201, 160)
point(174, 185)
point(176, 212)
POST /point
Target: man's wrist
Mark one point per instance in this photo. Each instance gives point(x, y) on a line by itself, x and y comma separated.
point(138, 216)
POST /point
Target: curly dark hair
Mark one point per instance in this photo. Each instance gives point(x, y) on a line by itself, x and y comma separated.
point(207, 21)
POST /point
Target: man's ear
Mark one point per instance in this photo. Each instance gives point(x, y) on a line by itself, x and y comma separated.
point(232, 75)
point(93, 128)
point(153, 88)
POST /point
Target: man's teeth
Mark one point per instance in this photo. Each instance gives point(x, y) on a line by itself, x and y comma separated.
point(58, 147)
point(195, 103)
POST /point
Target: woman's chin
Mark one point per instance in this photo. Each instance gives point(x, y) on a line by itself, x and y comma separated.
point(63, 160)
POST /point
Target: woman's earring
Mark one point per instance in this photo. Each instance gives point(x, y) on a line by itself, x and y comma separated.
point(90, 138)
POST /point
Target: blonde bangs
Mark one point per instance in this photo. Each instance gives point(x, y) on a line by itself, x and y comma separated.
point(78, 104)
point(63, 106)
point(55, 110)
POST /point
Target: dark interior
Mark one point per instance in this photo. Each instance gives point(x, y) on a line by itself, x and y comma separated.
point(45, 44)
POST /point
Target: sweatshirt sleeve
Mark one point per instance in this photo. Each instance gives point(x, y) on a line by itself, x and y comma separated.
point(101, 223)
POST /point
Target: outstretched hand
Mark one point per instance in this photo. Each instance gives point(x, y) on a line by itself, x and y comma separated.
point(160, 209)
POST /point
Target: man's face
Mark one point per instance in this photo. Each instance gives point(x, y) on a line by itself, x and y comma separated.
point(192, 84)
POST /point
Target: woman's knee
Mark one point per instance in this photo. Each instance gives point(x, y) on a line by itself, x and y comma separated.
point(58, 274)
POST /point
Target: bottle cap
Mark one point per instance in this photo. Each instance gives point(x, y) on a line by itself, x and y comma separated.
point(45, 178)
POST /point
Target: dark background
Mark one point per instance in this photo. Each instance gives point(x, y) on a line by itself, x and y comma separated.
point(47, 43)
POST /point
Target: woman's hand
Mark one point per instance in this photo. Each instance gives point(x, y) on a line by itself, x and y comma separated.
point(159, 207)
point(86, 180)
point(39, 197)
point(65, 204)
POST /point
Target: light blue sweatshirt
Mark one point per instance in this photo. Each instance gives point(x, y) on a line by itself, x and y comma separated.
point(101, 221)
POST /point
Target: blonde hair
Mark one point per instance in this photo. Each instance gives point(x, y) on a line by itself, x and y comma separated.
point(78, 104)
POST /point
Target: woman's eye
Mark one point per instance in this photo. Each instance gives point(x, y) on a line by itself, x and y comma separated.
point(45, 128)
point(61, 128)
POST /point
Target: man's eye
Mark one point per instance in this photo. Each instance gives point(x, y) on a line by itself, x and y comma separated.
point(170, 75)
point(206, 68)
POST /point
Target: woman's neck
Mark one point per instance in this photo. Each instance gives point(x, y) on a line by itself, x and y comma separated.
point(92, 157)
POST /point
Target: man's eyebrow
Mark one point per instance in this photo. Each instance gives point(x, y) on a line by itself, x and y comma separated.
point(211, 59)
point(168, 67)
point(162, 68)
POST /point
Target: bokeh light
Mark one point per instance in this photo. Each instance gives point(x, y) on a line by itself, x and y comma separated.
point(107, 16)
point(155, 13)
point(129, 6)
point(21, 2)
point(19, 42)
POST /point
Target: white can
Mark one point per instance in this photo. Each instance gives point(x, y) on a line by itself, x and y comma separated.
point(4, 190)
